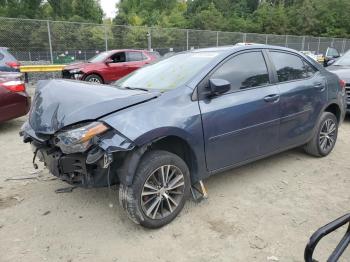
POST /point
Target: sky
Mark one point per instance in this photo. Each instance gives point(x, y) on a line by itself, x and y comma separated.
point(108, 7)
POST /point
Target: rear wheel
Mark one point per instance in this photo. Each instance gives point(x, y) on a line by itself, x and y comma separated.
point(94, 79)
point(325, 137)
point(159, 191)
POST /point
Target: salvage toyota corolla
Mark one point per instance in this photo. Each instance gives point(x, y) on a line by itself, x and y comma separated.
point(166, 127)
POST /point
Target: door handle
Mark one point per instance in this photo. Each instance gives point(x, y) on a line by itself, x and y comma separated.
point(320, 86)
point(272, 98)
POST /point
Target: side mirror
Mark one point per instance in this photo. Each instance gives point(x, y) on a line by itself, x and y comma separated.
point(219, 86)
point(109, 61)
point(330, 62)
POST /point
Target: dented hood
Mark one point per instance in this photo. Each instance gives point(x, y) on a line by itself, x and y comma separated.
point(59, 103)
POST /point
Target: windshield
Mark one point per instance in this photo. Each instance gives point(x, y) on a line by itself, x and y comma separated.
point(99, 57)
point(344, 60)
point(168, 73)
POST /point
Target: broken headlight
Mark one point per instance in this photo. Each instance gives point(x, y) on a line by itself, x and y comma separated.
point(79, 139)
point(75, 71)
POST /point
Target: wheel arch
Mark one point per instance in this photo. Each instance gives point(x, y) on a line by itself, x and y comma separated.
point(179, 147)
point(171, 143)
point(334, 108)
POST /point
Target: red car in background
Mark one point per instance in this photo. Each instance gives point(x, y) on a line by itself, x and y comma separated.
point(109, 66)
point(14, 100)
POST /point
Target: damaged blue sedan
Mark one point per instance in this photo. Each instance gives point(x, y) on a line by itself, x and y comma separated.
point(164, 128)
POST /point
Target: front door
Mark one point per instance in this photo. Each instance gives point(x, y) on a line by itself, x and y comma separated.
point(243, 123)
point(117, 68)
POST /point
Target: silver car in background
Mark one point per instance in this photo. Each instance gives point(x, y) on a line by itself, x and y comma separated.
point(341, 67)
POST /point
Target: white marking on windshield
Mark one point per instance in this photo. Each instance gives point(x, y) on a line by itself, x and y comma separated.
point(204, 54)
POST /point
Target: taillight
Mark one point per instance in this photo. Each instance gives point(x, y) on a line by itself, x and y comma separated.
point(14, 86)
point(14, 64)
point(342, 83)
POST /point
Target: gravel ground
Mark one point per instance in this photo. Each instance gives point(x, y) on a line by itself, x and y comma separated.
point(263, 211)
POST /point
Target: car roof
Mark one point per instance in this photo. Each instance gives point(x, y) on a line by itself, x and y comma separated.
point(125, 50)
point(235, 48)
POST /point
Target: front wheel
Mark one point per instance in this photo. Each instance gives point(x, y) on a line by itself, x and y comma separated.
point(94, 79)
point(325, 136)
point(159, 191)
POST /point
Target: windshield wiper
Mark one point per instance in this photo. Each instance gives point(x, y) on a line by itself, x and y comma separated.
point(135, 88)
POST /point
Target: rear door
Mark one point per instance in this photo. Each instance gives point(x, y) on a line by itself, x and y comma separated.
point(243, 123)
point(303, 95)
point(135, 60)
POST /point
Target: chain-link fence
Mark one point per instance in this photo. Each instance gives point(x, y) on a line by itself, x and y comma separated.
point(57, 41)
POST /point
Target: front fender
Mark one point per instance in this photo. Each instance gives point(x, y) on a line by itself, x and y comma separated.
point(171, 114)
point(161, 132)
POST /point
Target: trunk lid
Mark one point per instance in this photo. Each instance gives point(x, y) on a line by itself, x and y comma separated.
point(59, 103)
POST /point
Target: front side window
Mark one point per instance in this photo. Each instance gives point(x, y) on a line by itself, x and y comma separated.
point(244, 71)
point(118, 57)
point(291, 67)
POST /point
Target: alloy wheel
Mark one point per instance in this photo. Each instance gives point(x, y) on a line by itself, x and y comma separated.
point(94, 80)
point(162, 192)
point(327, 135)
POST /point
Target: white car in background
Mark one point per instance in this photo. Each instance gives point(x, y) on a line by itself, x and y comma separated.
point(311, 54)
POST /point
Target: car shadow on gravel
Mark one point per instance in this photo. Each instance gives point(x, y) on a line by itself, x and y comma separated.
point(11, 125)
point(107, 200)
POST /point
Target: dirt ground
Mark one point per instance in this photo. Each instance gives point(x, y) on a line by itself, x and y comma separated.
point(264, 211)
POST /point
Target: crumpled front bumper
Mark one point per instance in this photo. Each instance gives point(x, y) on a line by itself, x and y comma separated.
point(73, 168)
point(92, 168)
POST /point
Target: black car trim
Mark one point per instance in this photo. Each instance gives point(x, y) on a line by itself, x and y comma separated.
point(268, 123)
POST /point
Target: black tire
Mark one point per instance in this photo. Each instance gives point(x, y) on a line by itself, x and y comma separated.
point(94, 79)
point(132, 200)
point(316, 145)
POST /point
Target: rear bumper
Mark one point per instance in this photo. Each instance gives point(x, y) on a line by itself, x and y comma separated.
point(20, 105)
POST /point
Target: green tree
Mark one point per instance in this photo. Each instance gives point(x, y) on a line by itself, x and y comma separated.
point(209, 18)
point(90, 10)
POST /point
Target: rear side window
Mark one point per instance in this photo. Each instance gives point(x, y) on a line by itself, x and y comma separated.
point(134, 56)
point(244, 71)
point(291, 67)
point(1, 56)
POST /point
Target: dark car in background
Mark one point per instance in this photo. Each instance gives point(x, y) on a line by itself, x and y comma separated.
point(109, 66)
point(14, 100)
point(167, 126)
point(8, 63)
point(341, 67)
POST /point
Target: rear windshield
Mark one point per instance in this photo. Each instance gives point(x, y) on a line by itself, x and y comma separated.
point(168, 73)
